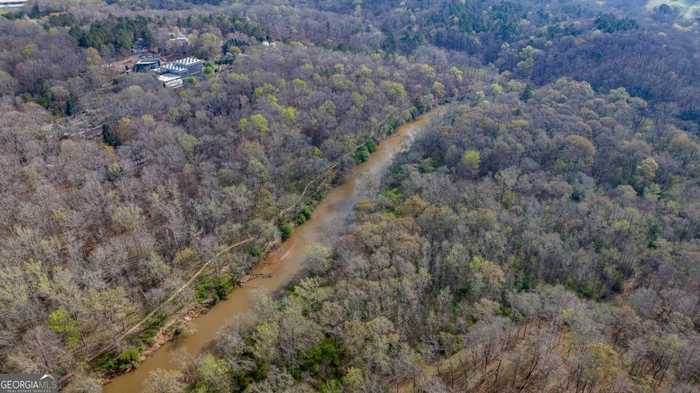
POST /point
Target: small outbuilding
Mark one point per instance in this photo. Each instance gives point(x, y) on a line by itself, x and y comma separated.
point(147, 63)
point(171, 80)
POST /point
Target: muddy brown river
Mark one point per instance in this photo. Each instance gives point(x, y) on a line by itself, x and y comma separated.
point(281, 266)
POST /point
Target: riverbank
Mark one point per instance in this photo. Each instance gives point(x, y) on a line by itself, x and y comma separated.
point(280, 267)
point(159, 327)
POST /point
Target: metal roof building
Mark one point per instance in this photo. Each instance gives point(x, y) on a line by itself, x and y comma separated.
point(171, 80)
point(185, 67)
point(12, 3)
point(147, 63)
point(172, 74)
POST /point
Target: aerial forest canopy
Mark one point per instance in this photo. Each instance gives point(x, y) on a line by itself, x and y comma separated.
point(542, 234)
point(543, 239)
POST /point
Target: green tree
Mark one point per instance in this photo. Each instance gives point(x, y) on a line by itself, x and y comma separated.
point(266, 340)
point(527, 93)
point(438, 90)
point(256, 122)
point(323, 359)
point(317, 258)
point(394, 90)
point(188, 142)
point(128, 218)
point(471, 160)
point(208, 45)
point(61, 322)
point(579, 152)
point(646, 170)
point(213, 373)
point(286, 230)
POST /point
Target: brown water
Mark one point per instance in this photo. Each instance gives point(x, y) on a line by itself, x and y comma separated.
point(282, 265)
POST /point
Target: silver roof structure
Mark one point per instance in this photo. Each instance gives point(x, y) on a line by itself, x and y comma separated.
point(186, 61)
point(146, 59)
point(180, 65)
point(12, 3)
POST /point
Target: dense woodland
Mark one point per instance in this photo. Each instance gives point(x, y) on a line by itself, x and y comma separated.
point(543, 233)
point(553, 240)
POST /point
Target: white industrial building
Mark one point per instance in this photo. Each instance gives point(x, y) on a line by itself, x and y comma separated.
point(12, 3)
point(186, 67)
point(172, 74)
point(171, 80)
